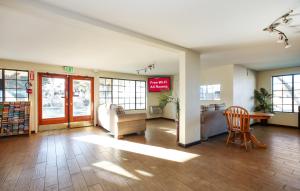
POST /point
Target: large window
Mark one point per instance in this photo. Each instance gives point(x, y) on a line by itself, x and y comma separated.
point(210, 92)
point(13, 85)
point(130, 94)
point(286, 93)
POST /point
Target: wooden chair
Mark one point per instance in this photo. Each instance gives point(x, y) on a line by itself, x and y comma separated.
point(238, 122)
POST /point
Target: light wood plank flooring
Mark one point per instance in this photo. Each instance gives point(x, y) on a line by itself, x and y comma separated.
point(89, 159)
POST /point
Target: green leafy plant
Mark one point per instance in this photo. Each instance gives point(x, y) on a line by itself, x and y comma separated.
point(164, 99)
point(263, 100)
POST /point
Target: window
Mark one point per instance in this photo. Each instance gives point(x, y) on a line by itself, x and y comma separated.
point(13, 85)
point(210, 92)
point(286, 93)
point(130, 94)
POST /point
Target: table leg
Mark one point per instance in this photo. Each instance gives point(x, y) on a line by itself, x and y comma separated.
point(257, 142)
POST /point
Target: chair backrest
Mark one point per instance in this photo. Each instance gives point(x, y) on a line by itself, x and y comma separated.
point(238, 119)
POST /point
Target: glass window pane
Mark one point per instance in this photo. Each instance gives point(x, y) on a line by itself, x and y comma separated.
point(297, 86)
point(115, 82)
point(297, 78)
point(115, 100)
point(297, 93)
point(22, 94)
point(277, 80)
point(53, 97)
point(277, 87)
point(10, 83)
point(121, 101)
point(287, 94)
point(287, 101)
point(10, 74)
point(22, 99)
point(10, 93)
point(10, 99)
point(132, 106)
point(22, 75)
point(108, 101)
point(277, 100)
point(287, 79)
point(102, 100)
point(277, 93)
point(277, 108)
point(82, 101)
point(287, 108)
point(287, 87)
point(21, 84)
point(121, 82)
point(126, 107)
point(297, 101)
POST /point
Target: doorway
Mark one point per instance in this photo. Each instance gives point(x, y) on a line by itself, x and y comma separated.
point(65, 100)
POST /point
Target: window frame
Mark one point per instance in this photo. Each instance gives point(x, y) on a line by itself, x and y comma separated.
point(3, 83)
point(135, 97)
point(293, 93)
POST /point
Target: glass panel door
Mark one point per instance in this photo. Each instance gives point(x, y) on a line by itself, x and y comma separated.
point(53, 103)
point(81, 98)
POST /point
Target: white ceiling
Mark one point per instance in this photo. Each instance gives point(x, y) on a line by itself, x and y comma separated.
point(225, 32)
point(29, 34)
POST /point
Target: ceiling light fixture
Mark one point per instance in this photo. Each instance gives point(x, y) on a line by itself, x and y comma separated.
point(272, 28)
point(146, 69)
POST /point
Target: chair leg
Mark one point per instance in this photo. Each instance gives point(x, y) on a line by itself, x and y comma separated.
point(245, 141)
point(228, 137)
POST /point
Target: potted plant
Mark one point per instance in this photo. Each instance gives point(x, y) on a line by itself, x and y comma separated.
point(263, 102)
point(164, 99)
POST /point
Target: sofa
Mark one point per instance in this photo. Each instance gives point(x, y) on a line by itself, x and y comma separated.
point(114, 119)
point(213, 121)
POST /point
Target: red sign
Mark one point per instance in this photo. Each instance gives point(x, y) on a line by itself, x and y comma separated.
point(31, 75)
point(159, 84)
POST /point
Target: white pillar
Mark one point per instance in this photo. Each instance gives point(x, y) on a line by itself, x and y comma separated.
point(189, 95)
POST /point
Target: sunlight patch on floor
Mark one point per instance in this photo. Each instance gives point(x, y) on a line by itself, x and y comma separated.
point(111, 167)
point(144, 173)
point(169, 130)
point(148, 150)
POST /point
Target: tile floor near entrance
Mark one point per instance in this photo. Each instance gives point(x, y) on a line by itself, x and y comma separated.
point(89, 159)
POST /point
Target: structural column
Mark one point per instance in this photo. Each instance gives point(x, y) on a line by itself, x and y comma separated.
point(189, 95)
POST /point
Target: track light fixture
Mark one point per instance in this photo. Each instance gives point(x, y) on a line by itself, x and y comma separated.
point(272, 28)
point(146, 69)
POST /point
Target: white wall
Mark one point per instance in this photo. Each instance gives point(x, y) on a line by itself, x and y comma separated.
point(219, 75)
point(237, 84)
point(264, 80)
point(244, 84)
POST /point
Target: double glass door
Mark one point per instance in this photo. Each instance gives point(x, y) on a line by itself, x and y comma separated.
point(64, 99)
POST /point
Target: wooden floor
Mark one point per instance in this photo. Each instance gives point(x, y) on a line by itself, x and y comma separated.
point(89, 159)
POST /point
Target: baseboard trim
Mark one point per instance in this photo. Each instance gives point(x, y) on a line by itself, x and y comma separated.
point(189, 144)
point(278, 125)
point(275, 125)
point(149, 119)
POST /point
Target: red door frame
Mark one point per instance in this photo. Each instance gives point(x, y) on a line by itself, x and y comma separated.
point(40, 108)
point(81, 118)
point(68, 100)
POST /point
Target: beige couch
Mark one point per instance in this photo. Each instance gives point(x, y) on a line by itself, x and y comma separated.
point(120, 123)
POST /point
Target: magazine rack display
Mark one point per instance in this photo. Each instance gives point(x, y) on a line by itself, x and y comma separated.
point(14, 118)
